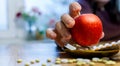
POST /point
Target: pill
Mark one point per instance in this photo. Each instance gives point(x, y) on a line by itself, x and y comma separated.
point(27, 64)
point(107, 44)
point(43, 64)
point(48, 60)
point(37, 60)
point(91, 64)
point(78, 64)
point(83, 64)
point(86, 61)
point(79, 59)
point(57, 62)
point(70, 61)
point(32, 62)
point(118, 41)
point(100, 46)
point(110, 63)
point(19, 60)
point(95, 59)
point(64, 60)
point(74, 60)
point(58, 59)
point(100, 60)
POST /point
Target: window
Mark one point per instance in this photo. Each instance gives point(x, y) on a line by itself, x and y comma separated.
point(3, 15)
point(8, 9)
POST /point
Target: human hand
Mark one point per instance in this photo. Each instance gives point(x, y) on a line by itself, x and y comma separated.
point(61, 32)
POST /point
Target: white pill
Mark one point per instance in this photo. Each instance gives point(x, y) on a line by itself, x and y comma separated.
point(86, 61)
point(100, 46)
point(107, 44)
point(64, 60)
point(113, 42)
point(79, 59)
point(95, 59)
point(118, 42)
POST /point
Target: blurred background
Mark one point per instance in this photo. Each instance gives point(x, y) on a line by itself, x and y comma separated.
point(27, 20)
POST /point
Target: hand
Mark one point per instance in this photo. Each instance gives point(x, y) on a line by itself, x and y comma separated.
point(61, 32)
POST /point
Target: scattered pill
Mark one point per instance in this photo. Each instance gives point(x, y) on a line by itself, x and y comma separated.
point(78, 64)
point(110, 63)
point(107, 44)
point(86, 61)
point(32, 62)
point(19, 60)
point(48, 60)
point(37, 60)
point(70, 61)
point(95, 59)
point(100, 46)
point(27, 64)
point(43, 64)
point(104, 61)
point(91, 64)
point(74, 60)
point(118, 41)
point(57, 62)
point(113, 42)
point(79, 59)
point(83, 64)
point(58, 59)
point(64, 60)
point(100, 60)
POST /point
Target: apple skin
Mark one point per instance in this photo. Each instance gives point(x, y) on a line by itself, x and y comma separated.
point(87, 30)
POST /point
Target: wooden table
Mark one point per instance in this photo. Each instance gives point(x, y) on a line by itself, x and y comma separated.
point(10, 53)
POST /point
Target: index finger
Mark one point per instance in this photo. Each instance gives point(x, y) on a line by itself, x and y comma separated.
point(74, 9)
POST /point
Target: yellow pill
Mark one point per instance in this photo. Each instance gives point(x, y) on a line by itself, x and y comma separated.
point(91, 64)
point(100, 60)
point(58, 59)
point(27, 64)
point(19, 60)
point(48, 60)
point(37, 60)
point(70, 61)
point(43, 64)
point(83, 64)
point(78, 64)
point(74, 60)
point(57, 62)
point(32, 62)
point(110, 63)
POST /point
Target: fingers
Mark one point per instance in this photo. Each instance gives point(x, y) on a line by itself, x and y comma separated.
point(60, 27)
point(67, 20)
point(50, 33)
point(74, 9)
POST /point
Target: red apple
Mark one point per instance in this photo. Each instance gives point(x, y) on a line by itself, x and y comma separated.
point(87, 30)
